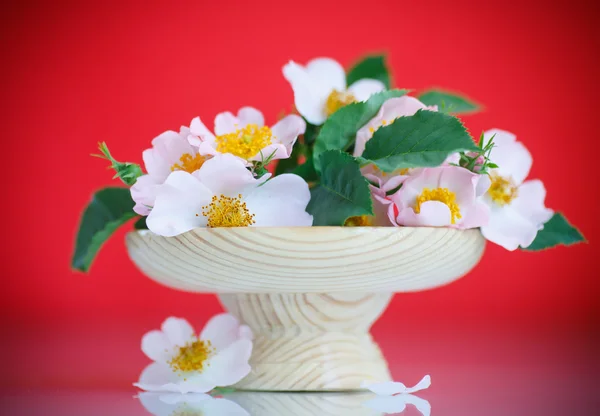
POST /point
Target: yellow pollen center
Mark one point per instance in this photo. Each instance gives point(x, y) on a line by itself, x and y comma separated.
point(224, 211)
point(502, 190)
point(246, 142)
point(189, 163)
point(372, 130)
point(403, 171)
point(187, 413)
point(192, 357)
point(360, 221)
point(443, 195)
point(337, 100)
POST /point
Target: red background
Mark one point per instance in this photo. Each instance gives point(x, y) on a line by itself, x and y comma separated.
point(77, 73)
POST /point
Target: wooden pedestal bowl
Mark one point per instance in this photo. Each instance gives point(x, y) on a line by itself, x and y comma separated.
point(310, 294)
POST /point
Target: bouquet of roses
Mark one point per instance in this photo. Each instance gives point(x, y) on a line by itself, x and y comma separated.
point(359, 153)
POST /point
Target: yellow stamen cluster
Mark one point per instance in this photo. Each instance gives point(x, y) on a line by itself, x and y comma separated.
point(383, 123)
point(502, 191)
point(360, 221)
point(337, 100)
point(224, 211)
point(192, 357)
point(403, 171)
point(187, 412)
point(246, 142)
point(189, 163)
point(443, 195)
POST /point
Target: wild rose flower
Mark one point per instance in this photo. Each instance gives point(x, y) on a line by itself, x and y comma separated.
point(170, 152)
point(185, 363)
point(246, 136)
point(517, 210)
point(445, 196)
point(320, 88)
point(223, 193)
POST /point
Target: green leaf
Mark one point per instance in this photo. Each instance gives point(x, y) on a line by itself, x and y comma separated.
point(219, 391)
point(126, 171)
point(556, 231)
point(424, 139)
point(289, 164)
point(307, 169)
point(342, 193)
point(301, 148)
point(140, 224)
point(109, 209)
point(448, 102)
point(339, 131)
point(310, 134)
point(260, 171)
point(373, 67)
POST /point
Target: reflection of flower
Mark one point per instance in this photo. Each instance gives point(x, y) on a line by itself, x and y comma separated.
point(246, 136)
point(517, 210)
point(393, 396)
point(320, 88)
point(397, 404)
point(226, 194)
point(186, 363)
point(191, 404)
point(390, 388)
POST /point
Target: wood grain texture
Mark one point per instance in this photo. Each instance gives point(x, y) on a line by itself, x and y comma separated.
point(306, 404)
point(307, 259)
point(311, 342)
point(310, 294)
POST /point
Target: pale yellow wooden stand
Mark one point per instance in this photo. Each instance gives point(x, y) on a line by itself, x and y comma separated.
point(310, 294)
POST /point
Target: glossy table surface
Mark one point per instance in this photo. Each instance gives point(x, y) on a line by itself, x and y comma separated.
point(550, 376)
point(552, 398)
point(486, 369)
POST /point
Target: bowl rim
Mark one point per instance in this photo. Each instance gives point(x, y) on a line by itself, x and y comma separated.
point(304, 228)
point(200, 260)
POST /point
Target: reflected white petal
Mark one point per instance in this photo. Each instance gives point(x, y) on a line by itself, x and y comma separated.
point(190, 404)
point(389, 388)
point(397, 404)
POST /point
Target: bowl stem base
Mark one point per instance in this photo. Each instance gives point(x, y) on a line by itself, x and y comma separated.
point(309, 341)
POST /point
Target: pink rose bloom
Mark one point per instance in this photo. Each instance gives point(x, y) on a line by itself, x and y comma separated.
point(170, 151)
point(445, 196)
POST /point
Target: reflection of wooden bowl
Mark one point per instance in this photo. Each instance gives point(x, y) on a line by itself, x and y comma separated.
point(304, 404)
point(309, 294)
